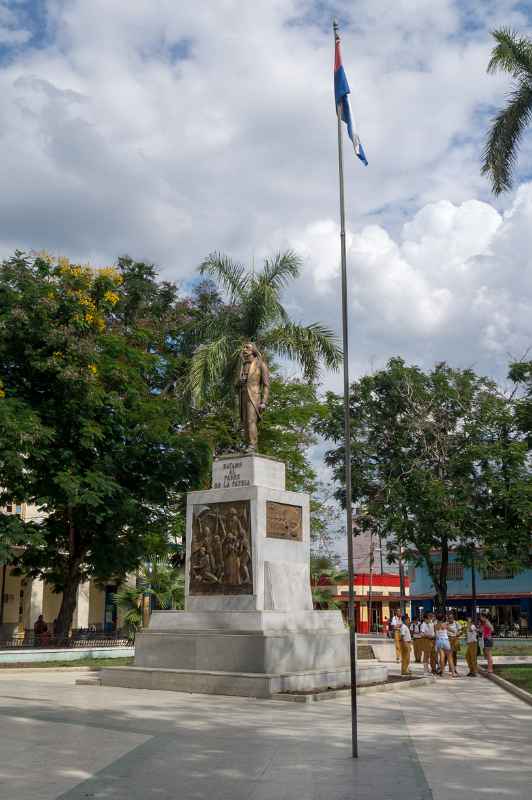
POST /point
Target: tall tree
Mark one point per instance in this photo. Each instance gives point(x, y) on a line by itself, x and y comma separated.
point(439, 464)
point(512, 54)
point(521, 374)
point(87, 432)
point(254, 312)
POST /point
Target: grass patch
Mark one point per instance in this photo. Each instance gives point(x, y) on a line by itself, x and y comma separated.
point(79, 662)
point(520, 676)
point(512, 650)
point(507, 650)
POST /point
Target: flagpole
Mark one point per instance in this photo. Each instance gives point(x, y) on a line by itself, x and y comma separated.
point(347, 439)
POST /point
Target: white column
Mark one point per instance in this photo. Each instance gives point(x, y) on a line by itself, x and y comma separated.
point(33, 602)
point(81, 614)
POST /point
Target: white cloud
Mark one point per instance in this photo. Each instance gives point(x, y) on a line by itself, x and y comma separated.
point(168, 130)
point(454, 285)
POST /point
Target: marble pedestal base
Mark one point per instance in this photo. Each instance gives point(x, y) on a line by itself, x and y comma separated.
point(240, 684)
point(246, 653)
point(265, 642)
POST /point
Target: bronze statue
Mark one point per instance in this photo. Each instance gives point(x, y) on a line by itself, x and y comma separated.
point(254, 391)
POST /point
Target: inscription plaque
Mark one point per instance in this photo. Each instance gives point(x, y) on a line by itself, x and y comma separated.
point(231, 475)
point(284, 521)
point(220, 555)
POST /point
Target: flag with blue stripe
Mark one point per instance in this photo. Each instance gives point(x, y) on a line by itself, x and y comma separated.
point(341, 96)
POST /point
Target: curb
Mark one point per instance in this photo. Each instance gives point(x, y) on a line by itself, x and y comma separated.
point(40, 670)
point(381, 687)
point(521, 694)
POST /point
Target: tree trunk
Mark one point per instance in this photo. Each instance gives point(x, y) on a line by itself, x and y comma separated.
point(68, 605)
point(440, 583)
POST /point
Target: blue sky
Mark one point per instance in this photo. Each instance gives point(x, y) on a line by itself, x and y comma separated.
point(168, 130)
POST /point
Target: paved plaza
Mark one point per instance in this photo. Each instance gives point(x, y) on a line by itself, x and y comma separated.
point(455, 739)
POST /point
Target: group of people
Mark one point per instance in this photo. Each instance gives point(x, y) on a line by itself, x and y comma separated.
point(436, 638)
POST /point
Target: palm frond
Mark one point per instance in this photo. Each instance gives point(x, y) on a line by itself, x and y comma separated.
point(261, 309)
point(228, 273)
point(512, 54)
point(500, 152)
point(279, 270)
point(307, 344)
point(208, 365)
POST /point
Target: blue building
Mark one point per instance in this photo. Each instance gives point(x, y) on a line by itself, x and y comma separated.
point(505, 595)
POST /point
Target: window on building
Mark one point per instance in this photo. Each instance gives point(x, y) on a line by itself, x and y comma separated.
point(18, 509)
point(9, 508)
point(455, 571)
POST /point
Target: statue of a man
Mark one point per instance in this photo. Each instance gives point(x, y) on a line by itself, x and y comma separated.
point(254, 391)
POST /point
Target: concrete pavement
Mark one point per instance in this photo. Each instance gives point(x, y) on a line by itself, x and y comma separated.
point(457, 738)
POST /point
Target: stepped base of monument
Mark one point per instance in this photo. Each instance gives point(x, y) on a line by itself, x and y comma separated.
point(265, 642)
point(239, 684)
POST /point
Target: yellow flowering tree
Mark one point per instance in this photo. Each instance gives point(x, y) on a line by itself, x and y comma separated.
point(87, 432)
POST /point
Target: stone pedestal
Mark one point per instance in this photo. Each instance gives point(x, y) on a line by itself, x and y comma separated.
point(249, 626)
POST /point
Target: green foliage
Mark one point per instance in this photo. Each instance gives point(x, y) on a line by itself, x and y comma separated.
point(323, 600)
point(254, 313)
point(437, 462)
point(89, 434)
point(512, 54)
point(156, 578)
point(129, 601)
point(521, 374)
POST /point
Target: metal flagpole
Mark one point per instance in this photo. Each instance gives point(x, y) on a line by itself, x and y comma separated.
point(347, 440)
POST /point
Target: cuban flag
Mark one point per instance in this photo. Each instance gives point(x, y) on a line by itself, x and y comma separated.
point(341, 96)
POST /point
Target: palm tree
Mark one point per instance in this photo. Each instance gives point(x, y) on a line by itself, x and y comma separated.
point(156, 578)
point(256, 314)
point(512, 54)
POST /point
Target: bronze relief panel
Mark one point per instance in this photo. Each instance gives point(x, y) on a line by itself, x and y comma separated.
point(220, 557)
point(284, 521)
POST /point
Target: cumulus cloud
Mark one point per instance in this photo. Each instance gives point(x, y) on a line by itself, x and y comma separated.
point(455, 284)
point(169, 130)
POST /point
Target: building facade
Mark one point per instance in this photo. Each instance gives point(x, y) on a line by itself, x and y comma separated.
point(22, 600)
point(377, 596)
point(502, 593)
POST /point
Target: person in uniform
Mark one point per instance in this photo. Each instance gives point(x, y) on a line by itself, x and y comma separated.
point(406, 645)
point(395, 626)
point(428, 639)
point(454, 630)
point(472, 648)
point(417, 639)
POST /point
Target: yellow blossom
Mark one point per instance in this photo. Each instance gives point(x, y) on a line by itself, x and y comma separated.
point(2, 393)
point(63, 264)
point(111, 297)
point(89, 317)
point(93, 369)
point(112, 274)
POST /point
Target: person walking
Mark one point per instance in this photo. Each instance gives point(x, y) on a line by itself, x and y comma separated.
point(417, 639)
point(405, 639)
point(429, 652)
point(396, 627)
point(443, 646)
point(472, 648)
point(486, 629)
point(454, 630)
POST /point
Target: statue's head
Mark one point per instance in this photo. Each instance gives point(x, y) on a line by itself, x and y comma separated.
point(249, 351)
